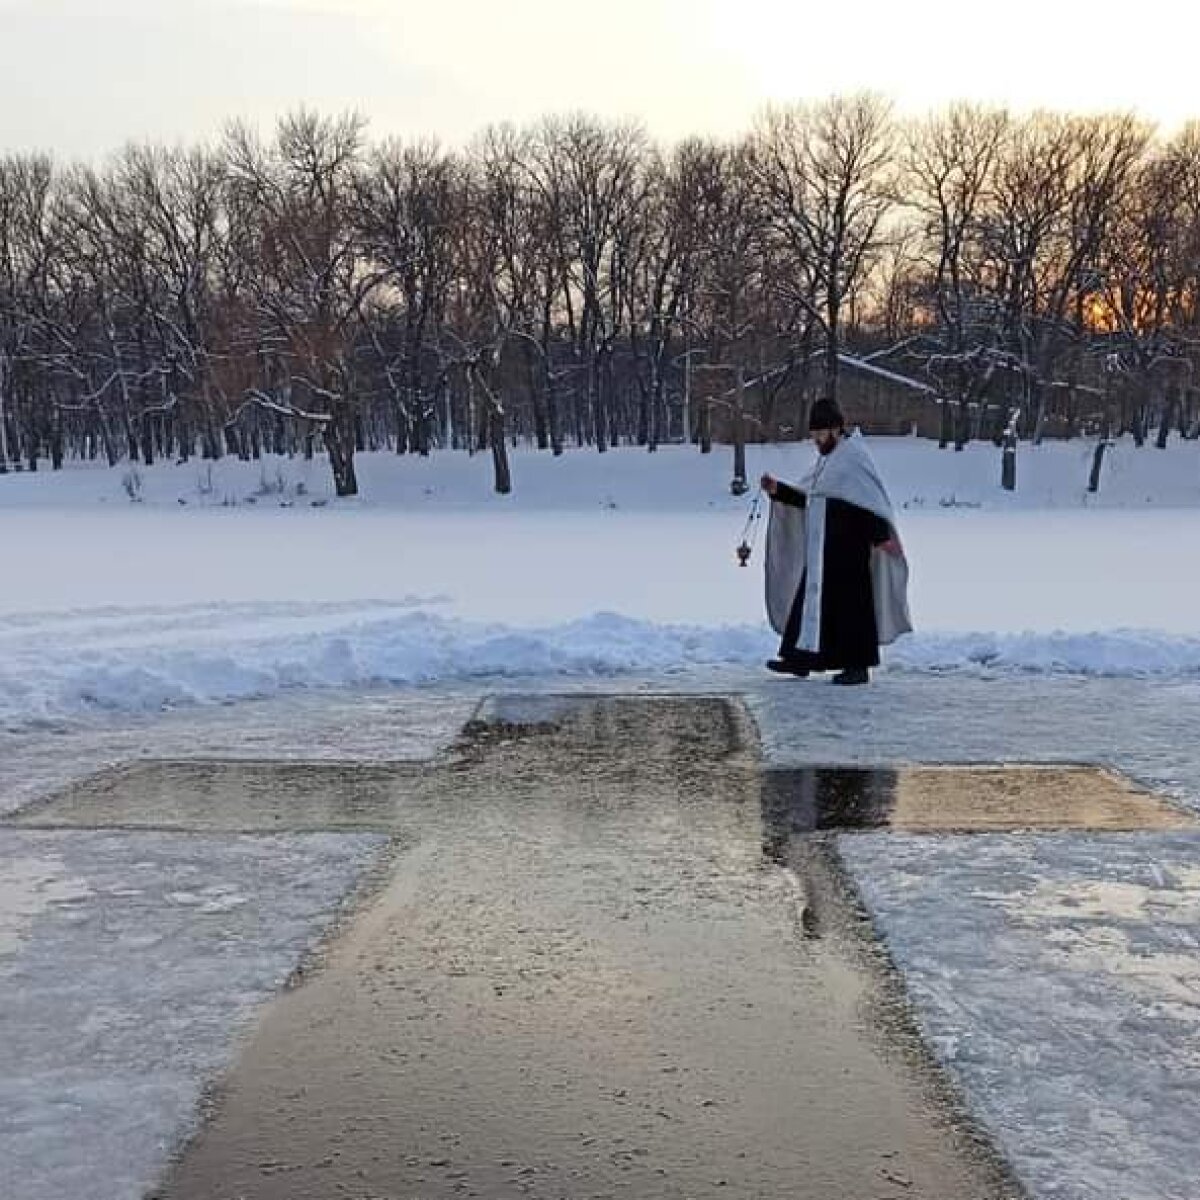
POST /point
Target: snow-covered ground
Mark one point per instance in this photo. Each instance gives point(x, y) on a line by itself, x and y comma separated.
point(236, 612)
point(1062, 988)
point(231, 580)
point(151, 955)
point(1056, 975)
point(673, 479)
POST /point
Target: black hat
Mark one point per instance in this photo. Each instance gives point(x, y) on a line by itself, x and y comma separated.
point(825, 414)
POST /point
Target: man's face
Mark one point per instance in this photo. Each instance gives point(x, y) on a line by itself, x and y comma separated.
point(824, 439)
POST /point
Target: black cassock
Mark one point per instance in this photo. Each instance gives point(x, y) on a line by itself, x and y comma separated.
point(849, 635)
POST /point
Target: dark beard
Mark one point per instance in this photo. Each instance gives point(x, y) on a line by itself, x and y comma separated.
point(828, 445)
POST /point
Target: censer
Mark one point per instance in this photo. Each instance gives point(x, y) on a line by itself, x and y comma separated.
point(750, 531)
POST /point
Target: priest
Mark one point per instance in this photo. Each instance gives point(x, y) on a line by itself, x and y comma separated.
point(837, 578)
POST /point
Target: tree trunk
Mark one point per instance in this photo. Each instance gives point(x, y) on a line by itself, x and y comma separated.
point(553, 417)
point(599, 410)
point(1138, 421)
point(210, 442)
point(1008, 457)
point(738, 485)
point(1039, 408)
point(1189, 424)
point(1072, 414)
point(56, 440)
point(500, 463)
point(1138, 427)
point(3, 423)
point(482, 427)
point(580, 402)
point(1167, 414)
point(541, 425)
point(832, 356)
point(402, 425)
point(147, 424)
point(946, 432)
point(658, 411)
point(962, 431)
point(1183, 412)
point(340, 439)
point(1097, 462)
point(643, 421)
point(448, 430)
point(108, 440)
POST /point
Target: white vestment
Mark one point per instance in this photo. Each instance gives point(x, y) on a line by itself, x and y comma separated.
point(796, 546)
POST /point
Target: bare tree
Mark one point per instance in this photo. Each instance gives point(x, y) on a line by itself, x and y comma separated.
point(672, 237)
point(408, 203)
point(728, 246)
point(825, 175)
point(590, 175)
point(948, 170)
point(482, 312)
point(1059, 184)
point(1143, 271)
point(523, 277)
point(179, 195)
point(296, 203)
point(27, 241)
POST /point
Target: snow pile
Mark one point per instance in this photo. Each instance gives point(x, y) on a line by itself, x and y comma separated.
point(1115, 653)
point(149, 660)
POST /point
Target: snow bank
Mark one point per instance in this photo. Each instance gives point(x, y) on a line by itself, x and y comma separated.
point(1114, 653)
point(148, 660)
point(145, 661)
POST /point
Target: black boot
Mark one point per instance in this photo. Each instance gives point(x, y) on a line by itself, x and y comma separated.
point(786, 666)
point(852, 676)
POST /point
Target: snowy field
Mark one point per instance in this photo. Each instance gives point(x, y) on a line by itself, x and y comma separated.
point(134, 590)
point(1055, 976)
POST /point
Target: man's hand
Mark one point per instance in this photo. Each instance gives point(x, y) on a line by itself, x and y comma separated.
point(767, 483)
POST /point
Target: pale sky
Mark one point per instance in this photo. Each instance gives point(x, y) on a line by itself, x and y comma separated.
point(81, 77)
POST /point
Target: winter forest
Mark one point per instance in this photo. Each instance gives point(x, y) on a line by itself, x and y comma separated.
point(971, 275)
